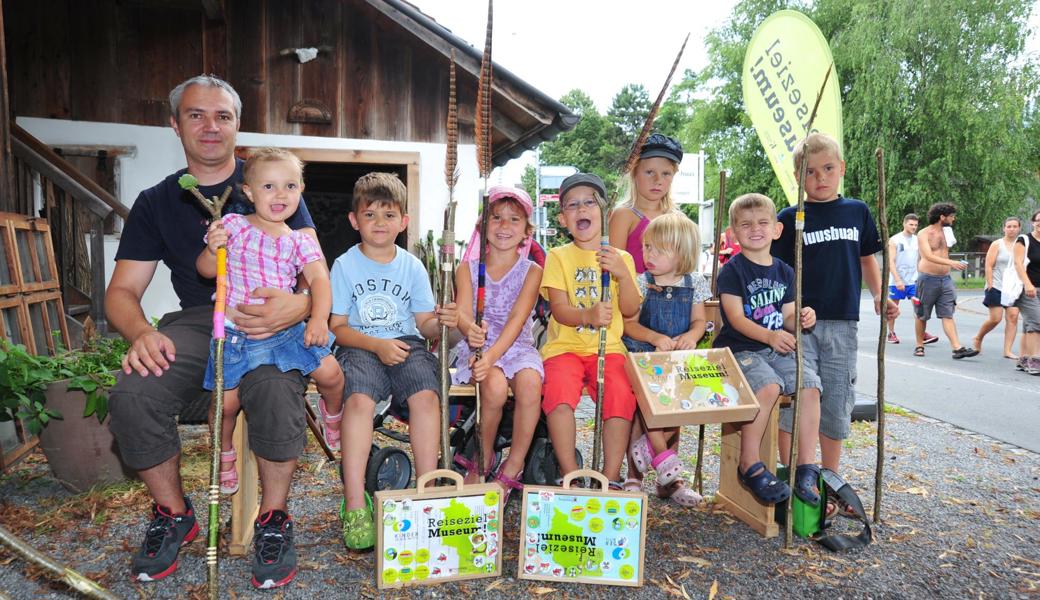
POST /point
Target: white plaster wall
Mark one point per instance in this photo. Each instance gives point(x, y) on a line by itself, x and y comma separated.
point(158, 153)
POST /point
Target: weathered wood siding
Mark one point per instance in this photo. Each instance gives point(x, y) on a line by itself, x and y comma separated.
point(108, 61)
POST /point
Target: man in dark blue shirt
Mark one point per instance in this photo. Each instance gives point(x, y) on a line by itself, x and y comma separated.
point(163, 370)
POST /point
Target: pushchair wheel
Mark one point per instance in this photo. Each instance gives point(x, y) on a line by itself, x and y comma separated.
point(388, 468)
point(541, 465)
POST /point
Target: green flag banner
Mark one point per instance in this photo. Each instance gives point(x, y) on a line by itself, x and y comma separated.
point(783, 70)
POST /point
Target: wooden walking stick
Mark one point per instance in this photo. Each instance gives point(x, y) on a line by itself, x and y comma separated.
point(214, 206)
point(54, 569)
point(451, 177)
point(629, 164)
point(720, 207)
point(482, 129)
point(883, 219)
point(799, 228)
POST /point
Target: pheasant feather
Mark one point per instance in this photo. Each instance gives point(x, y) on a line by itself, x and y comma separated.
point(483, 112)
point(451, 158)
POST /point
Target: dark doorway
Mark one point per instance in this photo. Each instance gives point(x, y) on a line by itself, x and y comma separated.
point(329, 188)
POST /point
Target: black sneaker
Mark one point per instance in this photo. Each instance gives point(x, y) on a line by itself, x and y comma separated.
point(274, 559)
point(167, 532)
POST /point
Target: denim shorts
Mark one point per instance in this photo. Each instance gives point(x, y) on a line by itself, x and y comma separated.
point(284, 350)
point(763, 367)
point(830, 350)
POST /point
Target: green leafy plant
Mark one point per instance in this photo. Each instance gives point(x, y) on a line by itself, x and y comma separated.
point(24, 378)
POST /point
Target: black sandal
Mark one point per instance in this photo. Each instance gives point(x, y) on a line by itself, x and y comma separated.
point(763, 484)
point(806, 480)
point(919, 351)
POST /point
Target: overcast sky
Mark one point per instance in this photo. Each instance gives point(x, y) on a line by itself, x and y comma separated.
point(598, 46)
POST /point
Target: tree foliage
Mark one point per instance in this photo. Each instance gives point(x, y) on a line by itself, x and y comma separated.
point(944, 86)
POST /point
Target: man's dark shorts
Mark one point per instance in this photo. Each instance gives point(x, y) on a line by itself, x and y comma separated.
point(145, 409)
point(938, 292)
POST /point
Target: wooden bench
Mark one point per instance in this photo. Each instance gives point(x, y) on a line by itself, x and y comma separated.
point(733, 496)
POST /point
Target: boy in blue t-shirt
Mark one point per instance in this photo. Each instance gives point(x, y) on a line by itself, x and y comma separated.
point(839, 243)
point(382, 308)
point(757, 299)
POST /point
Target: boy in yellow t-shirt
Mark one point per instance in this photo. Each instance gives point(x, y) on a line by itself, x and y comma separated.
point(571, 283)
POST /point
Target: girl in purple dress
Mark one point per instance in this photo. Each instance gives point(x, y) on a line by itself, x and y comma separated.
point(510, 359)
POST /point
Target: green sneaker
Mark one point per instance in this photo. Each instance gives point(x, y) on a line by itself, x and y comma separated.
point(359, 528)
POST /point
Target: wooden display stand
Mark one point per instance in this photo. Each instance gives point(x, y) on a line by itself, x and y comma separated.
point(734, 497)
point(667, 385)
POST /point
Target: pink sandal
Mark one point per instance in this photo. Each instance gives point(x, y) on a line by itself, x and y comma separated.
point(642, 454)
point(680, 493)
point(668, 466)
point(228, 479)
point(331, 433)
point(509, 484)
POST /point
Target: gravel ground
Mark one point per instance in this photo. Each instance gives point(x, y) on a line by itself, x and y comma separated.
point(961, 516)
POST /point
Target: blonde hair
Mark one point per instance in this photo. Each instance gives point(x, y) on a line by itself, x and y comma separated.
point(380, 188)
point(270, 155)
point(676, 233)
point(750, 202)
point(815, 143)
point(629, 191)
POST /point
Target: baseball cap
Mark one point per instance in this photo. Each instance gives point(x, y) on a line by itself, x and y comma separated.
point(588, 179)
point(502, 192)
point(660, 145)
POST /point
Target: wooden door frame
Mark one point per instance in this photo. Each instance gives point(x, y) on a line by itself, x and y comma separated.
point(409, 160)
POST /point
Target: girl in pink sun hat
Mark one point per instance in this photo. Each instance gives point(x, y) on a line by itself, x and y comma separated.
point(510, 359)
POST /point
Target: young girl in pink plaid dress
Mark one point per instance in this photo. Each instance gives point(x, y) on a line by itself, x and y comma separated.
point(262, 251)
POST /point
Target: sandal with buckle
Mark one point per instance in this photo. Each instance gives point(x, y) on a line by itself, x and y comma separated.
point(680, 493)
point(332, 434)
point(806, 479)
point(642, 454)
point(763, 484)
point(632, 484)
point(470, 466)
point(509, 483)
point(229, 478)
point(919, 351)
point(668, 466)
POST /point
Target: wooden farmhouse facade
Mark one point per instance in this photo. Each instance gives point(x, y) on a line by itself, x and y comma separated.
point(351, 85)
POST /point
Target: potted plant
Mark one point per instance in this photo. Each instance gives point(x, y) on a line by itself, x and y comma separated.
point(63, 400)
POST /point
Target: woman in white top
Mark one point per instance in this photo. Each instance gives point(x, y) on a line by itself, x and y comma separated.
point(998, 259)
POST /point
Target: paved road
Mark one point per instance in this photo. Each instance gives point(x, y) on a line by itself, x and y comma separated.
point(983, 394)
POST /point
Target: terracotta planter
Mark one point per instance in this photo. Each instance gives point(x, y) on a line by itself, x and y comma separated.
point(81, 452)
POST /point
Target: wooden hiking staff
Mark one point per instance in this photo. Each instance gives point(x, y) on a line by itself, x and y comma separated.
point(627, 166)
point(54, 569)
point(799, 353)
point(451, 177)
point(214, 206)
point(482, 128)
point(883, 219)
point(720, 207)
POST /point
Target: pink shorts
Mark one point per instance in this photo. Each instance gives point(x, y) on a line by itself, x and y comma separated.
point(566, 375)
